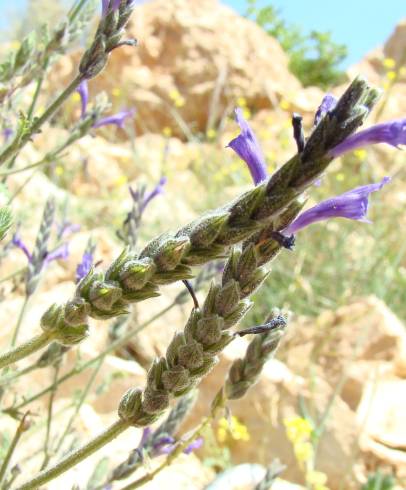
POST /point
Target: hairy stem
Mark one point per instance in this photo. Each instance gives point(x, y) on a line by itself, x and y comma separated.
point(11, 448)
point(77, 456)
point(79, 369)
point(20, 141)
point(24, 350)
point(19, 321)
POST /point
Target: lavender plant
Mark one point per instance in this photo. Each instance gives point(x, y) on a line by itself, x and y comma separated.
point(247, 233)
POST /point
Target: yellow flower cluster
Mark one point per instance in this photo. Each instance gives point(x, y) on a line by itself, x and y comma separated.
point(177, 98)
point(242, 103)
point(232, 429)
point(299, 431)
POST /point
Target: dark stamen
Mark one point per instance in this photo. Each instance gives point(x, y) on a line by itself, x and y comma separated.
point(298, 133)
point(275, 323)
point(192, 293)
point(285, 241)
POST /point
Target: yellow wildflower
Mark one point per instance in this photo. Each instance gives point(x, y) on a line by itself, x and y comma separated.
point(303, 451)
point(116, 92)
point(284, 105)
point(122, 180)
point(234, 428)
point(297, 429)
point(246, 113)
point(360, 154)
point(241, 102)
point(389, 63)
point(59, 170)
point(75, 97)
point(167, 131)
point(391, 75)
point(340, 177)
point(211, 134)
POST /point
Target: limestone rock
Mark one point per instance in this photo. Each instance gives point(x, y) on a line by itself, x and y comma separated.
point(189, 51)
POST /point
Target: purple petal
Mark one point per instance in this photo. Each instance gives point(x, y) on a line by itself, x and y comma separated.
point(83, 91)
point(159, 189)
point(105, 7)
point(60, 253)
point(351, 205)
point(18, 242)
point(165, 445)
point(327, 104)
point(117, 119)
point(7, 133)
point(392, 133)
point(196, 444)
point(247, 148)
point(84, 267)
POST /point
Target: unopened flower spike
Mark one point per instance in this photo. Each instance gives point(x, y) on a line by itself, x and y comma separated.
point(248, 149)
point(351, 205)
point(116, 119)
point(392, 133)
point(83, 91)
point(327, 104)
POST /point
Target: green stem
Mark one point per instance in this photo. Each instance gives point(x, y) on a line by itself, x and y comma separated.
point(24, 350)
point(79, 404)
point(78, 369)
point(11, 448)
point(46, 160)
point(20, 141)
point(19, 189)
point(77, 456)
point(49, 417)
point(37, 90)
point(75, 11)
point(19, 321)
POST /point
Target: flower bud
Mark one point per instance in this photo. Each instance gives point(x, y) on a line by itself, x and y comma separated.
point(155, 401)
point(76, 311)
point(227, 298)
point(170, 253)
point(130, 404)
point(103, 295)
point(207, 229)
point(134, 274)
point(190, 355)
point(209, 329)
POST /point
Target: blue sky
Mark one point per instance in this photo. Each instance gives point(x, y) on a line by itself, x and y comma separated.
point(360, 24)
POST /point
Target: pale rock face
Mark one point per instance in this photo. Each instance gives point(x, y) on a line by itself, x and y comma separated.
point(193, 55)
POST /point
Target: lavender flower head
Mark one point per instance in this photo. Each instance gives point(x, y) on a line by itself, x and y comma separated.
point(116, 119)
point(158, 189)
point(59, 253)
point(248, 149)
point(83, 91)
point(351, 205)
point(327, 104)
point(392, 133)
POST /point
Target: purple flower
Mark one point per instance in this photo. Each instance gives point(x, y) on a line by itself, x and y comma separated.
point(60, 253)
point(247, 148)
point(117, 119)
point(7, 133)
point(351, 205)
point(158, 189)
point(18, 242)
point(392, 133)
point(196, 444)
point(114, 5)
point(67, 228)
point(84, 267)
point(327, 104)
point(83, 91)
